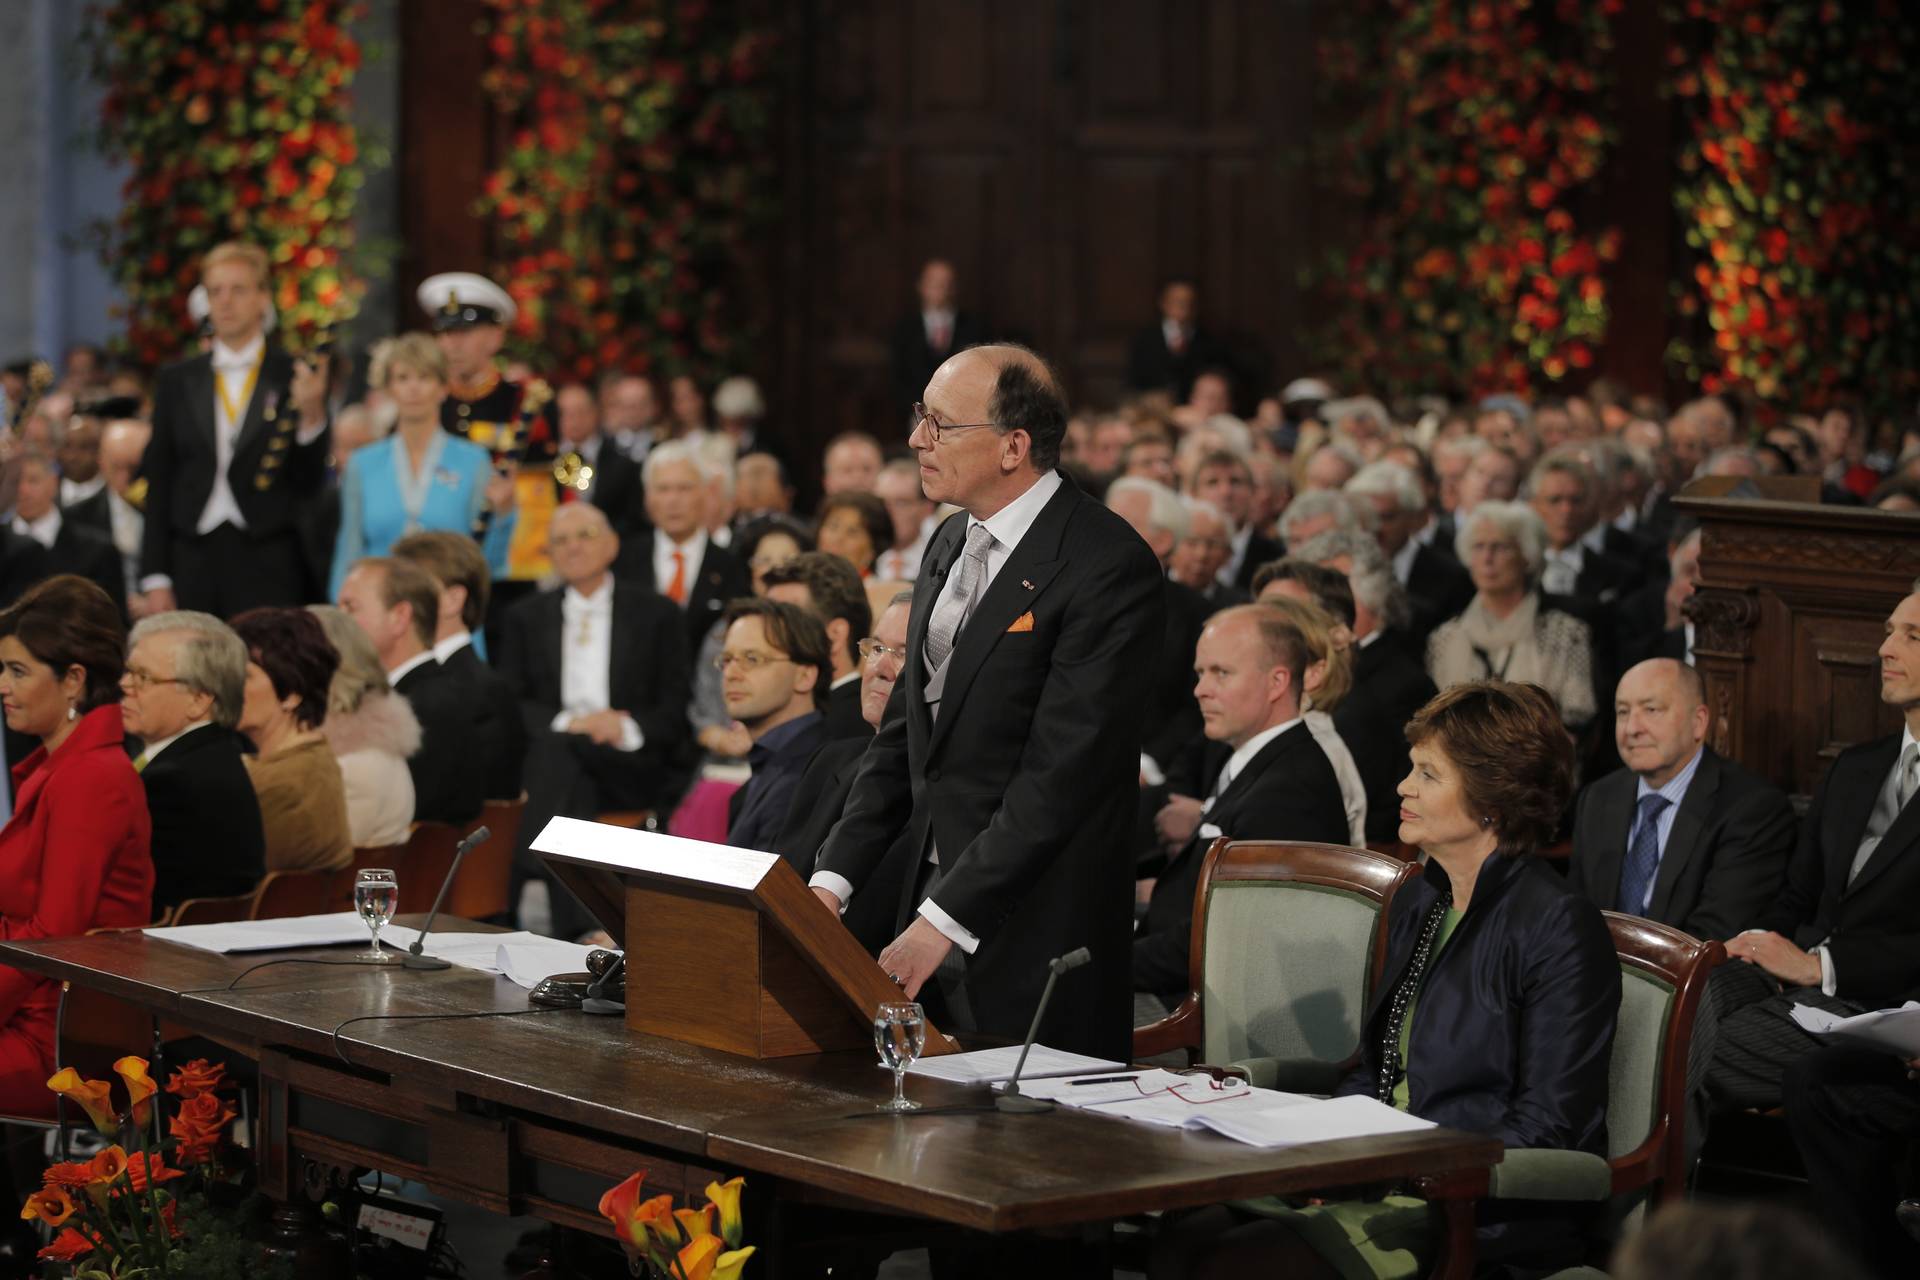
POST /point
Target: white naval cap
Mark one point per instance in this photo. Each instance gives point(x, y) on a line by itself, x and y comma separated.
point(461, 299)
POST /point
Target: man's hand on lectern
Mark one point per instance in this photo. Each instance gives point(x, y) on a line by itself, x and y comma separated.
point(832, 900)
point(911, 958)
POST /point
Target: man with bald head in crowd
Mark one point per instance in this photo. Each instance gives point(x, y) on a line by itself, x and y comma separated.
point(1681, 834)
point(602, 672)
point(1013, 725)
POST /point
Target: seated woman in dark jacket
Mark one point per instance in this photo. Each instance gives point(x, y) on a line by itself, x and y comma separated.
point(1495, 1014)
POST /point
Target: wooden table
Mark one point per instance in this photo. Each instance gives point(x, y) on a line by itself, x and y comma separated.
point(539, 1114)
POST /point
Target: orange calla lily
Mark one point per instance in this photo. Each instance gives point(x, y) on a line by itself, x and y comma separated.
point(655, 1216)
point(140, 1088)
point(697, 1259)
point(619, 1207)
point(725, 1198)
point(52, 1206)
point(96, 1096)
point(695, 1223)
point(728, 1265)
point(108, 1165)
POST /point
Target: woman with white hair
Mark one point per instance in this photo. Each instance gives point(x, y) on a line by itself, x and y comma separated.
point(1511, 631)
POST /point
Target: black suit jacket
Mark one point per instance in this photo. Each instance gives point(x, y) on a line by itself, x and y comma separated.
point(80, 548)
point(1286, 792)
point(500, 736)
point(817, 805)
point(650, 676)
point(92, 512)
point(23, 562)
point(1604, 578)
point(1513, 1033)
point(720, 579)
point(448, 784)
point(616, 490)
point(1439, 588)
point(207, 838)
point(1260, 550)
point(1039, 730)
point(1173, 717)
point(1870, 926)
point(1153, 366)
point(843, 714)
point(1389, 685)
point(913, 359)
point(1726, 854)
point(271, 474)
point(1639, 627)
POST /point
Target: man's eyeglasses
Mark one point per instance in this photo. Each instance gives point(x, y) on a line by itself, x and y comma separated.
point(924, 417)
point(871, 649)
point(751, 660)
point(136, 678)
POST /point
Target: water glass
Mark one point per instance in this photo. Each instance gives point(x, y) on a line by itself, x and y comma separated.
point(899, 1035)
point(375, 895)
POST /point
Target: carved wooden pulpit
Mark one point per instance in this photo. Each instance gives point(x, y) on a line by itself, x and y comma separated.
point(1791, 610)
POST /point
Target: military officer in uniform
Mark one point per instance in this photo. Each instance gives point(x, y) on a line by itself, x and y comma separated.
point(470, 314)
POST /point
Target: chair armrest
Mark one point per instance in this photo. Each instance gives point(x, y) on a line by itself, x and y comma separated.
point(1291, 1075)
point(1546, 1174)
point(1178, 1030)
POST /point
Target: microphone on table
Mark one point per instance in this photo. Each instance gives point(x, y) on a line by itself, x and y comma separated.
point(1012, 1100)
point(414, 959)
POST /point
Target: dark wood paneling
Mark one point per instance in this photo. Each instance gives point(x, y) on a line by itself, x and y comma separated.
point(1065, 156)
point(446, 145)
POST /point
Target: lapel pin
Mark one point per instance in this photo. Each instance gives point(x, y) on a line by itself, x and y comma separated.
point(1026, 584)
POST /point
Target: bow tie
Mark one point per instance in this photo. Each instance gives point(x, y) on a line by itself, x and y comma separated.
point(226, 362)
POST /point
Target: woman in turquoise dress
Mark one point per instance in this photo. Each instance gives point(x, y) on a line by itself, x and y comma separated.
point(421, 477)
point(1495, 1013)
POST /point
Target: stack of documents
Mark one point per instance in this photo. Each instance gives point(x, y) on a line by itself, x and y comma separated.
point(1888, 1030)
point(991, 1066)
point(269, 935)
point(1258, 1117)
point(524, 958)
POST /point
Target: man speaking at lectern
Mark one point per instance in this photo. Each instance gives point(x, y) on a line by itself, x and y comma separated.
point(1010, 751)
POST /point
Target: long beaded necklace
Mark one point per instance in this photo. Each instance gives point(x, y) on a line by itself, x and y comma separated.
point(1390, 1063)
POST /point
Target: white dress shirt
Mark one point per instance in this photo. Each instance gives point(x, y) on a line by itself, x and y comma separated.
point(1236, 555)
point(694, 549)
point(1007, 525)
point(43, 531)
point(1561, 572)
point(128, 527)
point(586, 661)
point(902, 564)
point(938, 324)
point(1403, 560)
point(72, 491)
point(233, 369)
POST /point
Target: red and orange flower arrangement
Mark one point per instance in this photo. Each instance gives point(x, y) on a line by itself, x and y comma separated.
point(118, 1214)
point(635, 172)
point(679, 1244)
point(233, 119)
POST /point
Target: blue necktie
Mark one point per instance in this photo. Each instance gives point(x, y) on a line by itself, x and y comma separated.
point(1643, 857)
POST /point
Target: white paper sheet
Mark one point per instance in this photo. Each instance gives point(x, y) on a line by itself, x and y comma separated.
point(526, 959)
point(269, 935)
point(1258, 1117)
point(989, 1066)
point(1894, 1031)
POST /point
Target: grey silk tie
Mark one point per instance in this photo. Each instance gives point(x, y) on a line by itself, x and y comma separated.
point(1894, 795)
point(954, 606)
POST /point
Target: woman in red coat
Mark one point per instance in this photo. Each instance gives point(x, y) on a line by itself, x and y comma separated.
point(74, 855)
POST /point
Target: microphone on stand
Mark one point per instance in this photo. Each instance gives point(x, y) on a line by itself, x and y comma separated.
point(1012, 1100)
point(414, 959)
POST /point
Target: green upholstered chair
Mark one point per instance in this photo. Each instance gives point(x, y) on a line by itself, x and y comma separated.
point(1663, 975)
point(1287, 943)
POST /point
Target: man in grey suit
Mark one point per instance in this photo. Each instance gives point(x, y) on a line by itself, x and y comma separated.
point(1680, 835)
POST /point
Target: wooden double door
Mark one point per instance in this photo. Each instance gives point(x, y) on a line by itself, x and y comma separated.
point(1067, 156)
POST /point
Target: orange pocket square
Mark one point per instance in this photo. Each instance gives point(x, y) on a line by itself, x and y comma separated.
point(1022, 623)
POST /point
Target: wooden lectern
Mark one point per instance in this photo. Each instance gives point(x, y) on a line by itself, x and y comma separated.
point(726, 948)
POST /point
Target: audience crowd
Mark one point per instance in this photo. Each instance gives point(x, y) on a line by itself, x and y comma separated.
point(261, 611)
